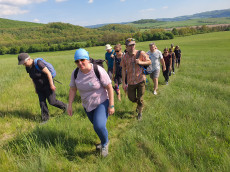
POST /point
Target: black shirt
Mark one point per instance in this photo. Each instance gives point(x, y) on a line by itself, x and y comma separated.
point(177, 53)
point(40, 79)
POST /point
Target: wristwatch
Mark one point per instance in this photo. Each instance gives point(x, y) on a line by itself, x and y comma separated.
point(112, 106)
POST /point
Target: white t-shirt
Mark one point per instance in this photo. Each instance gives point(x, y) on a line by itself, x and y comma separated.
point(92, 91)
point(155, 58)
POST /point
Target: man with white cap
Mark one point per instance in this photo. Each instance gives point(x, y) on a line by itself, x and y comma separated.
point(109, 57)
point(135, 77)
point(43, 83)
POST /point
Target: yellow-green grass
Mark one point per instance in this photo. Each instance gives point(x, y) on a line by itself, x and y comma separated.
point(186, 127)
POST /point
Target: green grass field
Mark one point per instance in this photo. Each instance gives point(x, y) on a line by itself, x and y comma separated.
point(186, 127)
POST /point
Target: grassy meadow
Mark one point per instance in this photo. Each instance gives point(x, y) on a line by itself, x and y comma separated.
point(186, 127)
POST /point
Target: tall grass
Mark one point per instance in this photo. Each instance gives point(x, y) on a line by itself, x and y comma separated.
point(186, 127)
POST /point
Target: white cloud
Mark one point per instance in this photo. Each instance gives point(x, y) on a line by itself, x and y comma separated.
point(19, 2)
point(36, 20)
point(6, 10)
point(165, 7)
point(90, 1)
point(122, 0)
point(60, 0)
point(12, 7)
point(147, 13)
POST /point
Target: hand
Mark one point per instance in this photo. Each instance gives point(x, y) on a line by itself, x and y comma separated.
point(69, 110)
point(164, 68)
point(170, 68)
point(137, 61)
point(124, 87)
point(111, 110)
point(52, 87)
point(112, 56)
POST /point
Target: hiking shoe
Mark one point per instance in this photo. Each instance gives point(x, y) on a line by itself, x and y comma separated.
point(166, 83)
point(173, 73)
point(98, 147)
point(105, 150)
point(155, 92)
point(66, 108)
point(139, 116)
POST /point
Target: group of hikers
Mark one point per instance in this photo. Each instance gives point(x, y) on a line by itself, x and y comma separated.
point(95, 84)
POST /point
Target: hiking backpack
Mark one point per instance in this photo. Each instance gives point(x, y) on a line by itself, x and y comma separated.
point(97, 61)
point(95, 68)
point(146, 69)
point(48, 65)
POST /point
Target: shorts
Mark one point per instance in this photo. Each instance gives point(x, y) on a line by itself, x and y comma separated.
point(155, 74)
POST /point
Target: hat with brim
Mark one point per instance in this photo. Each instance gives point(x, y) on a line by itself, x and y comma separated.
point(22, 57)
point(108, 47)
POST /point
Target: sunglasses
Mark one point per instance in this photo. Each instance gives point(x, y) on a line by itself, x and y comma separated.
point(77, 61)
point(131, 39)
point(117, 51)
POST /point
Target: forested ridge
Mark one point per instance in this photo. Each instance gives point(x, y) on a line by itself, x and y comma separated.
point(17, 36)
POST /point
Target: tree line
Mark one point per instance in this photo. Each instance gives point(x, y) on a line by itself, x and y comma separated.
point(60, 36)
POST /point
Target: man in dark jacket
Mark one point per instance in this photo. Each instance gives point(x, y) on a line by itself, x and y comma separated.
point(43, 83)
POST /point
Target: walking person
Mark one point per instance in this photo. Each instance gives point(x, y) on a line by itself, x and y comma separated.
point(117, 69)
point(135, 76)
point(177, 52)
point(43, 83)
point(95, 88)
point(173, 61)
point(168, 63)
point(156, 58)
point(109, 58)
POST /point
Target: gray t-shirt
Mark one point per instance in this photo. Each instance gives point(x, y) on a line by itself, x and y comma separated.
point(92, 91)
point(155, 58)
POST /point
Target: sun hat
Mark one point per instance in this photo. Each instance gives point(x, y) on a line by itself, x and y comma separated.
point(81, 54)
point(22, 57)
point(130, 41)
point(108, 47)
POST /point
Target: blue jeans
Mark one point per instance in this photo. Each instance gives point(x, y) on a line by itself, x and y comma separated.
point(98, 117)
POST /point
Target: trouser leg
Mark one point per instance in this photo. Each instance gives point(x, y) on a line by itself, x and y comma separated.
point(51, 96)
point(140, 93)
point(166, 73)
point(98, 117)
point(43, 106)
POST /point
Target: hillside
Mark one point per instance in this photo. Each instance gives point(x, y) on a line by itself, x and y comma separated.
point(208, 14)
point(6, 23)
point(175, 24)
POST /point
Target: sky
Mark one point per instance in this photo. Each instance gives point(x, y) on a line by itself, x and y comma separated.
point(92, 12)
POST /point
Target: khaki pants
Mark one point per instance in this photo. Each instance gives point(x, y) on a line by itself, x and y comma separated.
point(135, 94)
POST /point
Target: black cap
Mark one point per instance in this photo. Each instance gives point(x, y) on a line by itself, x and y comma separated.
point(22, 57)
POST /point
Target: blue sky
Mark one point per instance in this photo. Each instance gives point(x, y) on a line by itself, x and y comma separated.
point(91, 12)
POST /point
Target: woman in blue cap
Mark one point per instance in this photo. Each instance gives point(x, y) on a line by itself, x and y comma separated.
point(95, 88)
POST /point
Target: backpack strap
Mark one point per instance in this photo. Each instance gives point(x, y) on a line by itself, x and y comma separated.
point(36, 64)
point(95, 68)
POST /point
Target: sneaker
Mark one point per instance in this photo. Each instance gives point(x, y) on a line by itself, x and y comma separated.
point(155, 92)
point(66, 108)
point(173, 73)
point(166, 83)
point(105, 150)
point(139, 116)
point(98, 147)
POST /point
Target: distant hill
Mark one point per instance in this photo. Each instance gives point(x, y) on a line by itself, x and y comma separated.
point(208, 14)
point(6, 23)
